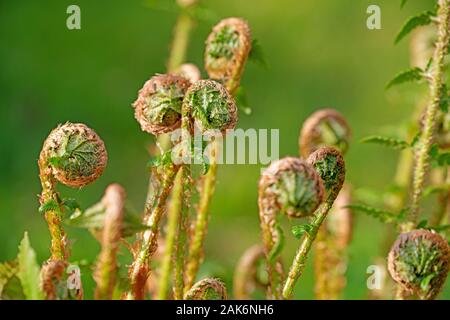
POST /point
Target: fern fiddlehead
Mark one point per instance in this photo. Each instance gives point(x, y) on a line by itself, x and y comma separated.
point(75, 156)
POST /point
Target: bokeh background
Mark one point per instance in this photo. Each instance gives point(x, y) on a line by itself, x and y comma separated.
point(319, 53)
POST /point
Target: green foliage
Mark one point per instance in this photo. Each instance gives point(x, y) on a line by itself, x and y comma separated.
point(8, 271)
point(210, 108)
point(421, 19)
point(50, 205)
point(77, 155)
point(402, 4)
point(67, 206)
point(93, 219)
point(439, 158)
point(299, 230)
point(440, 228)
point(433, 189)
point(330, 170)
point(410, 75)
point(393, 143)
point(70, 205)
point(296, 193)
point(164, 106)
point(223, 44)
point(162, 160)
point(380, 214)
point(242, 101)
point(257, 55)
point(28, 270)
point(420, 262)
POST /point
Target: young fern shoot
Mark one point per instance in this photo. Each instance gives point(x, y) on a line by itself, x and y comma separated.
point(327, 127)
point(214, 111)
point(419, 262)
point(158, 110)
point(226, 53)
point(75, 156)
point(330, 167)
point(293, 187)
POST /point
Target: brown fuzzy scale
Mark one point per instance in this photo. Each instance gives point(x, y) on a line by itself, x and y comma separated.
point(189, 71)
point(55, 141)
point(155, 85)
point(415, 237)
point(333, 184)
point(311, 136)
point(52, 273)
point(229, 71)
point(202, 290)
point(224, 95)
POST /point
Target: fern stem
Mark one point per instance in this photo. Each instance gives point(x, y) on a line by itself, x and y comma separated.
point(180, 41)
point(182, 232)
point(139, 269)
point(154, 209)
point(272, 239)
point(426, 139)
point(54, 220)
point(173, 216)
point(298, 265)
point(201, 225)
point(105, 273)
point(329, 266)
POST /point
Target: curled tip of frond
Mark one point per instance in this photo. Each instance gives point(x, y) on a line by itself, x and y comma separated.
point(340, 219)
point(227, 50)
point(419, 261)
point(330, 166)
point(189, 71)
point(246, 274)
point(158, 106)
point(52, 274)
point(291, 185)
point(211, 105)
point(74, 154)
point(207, 289)
point(325, 127)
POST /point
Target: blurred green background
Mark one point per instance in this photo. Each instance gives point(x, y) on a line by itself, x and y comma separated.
point(319, 52)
